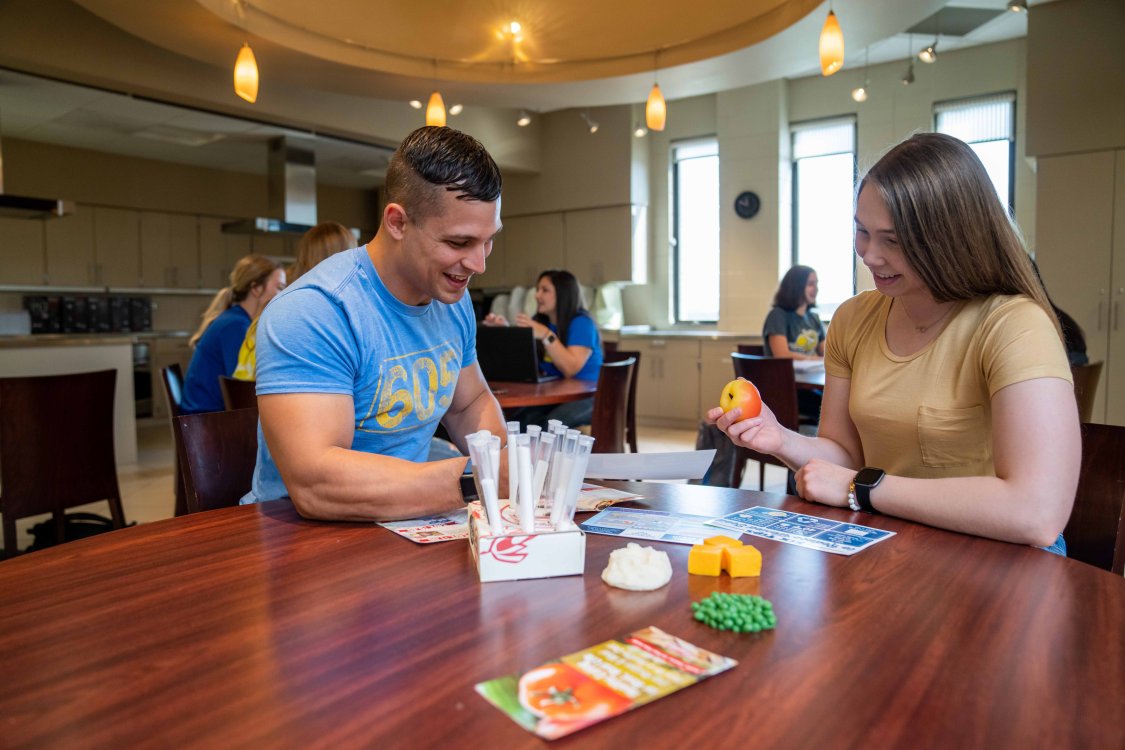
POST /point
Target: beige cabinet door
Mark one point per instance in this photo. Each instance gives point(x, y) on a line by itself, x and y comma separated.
point(648, 382)
point(1113, 379)
point(532, 245)
point(156, 248)
point(183, 252)
point(599, 244)
point(117, 247)
point(22, 252)
point(70, 248)
point(272, 245)
point(218, 252)
point(679, 381)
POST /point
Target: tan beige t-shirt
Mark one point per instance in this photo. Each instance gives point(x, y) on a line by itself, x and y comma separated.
point(929, 414)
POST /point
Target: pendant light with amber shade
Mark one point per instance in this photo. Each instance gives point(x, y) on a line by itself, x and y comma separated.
point(246, 74)
point(656, 110)
point(831, 44)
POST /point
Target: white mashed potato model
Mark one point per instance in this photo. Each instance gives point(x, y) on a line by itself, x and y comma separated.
point(637, 568)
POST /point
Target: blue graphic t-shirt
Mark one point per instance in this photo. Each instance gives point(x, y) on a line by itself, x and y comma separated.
point(338, 329)
point(583, 331)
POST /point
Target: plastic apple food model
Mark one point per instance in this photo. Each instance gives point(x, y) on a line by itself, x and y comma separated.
point(743, 395)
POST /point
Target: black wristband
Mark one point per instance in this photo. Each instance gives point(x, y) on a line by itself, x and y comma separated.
point(468, 488)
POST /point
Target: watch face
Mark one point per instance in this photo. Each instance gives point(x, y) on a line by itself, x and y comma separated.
point(869, 477)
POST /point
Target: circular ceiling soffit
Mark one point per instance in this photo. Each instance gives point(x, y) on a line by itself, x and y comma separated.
point(556, 41)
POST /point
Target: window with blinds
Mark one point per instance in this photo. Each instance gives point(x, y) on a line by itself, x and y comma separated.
point(987, 124)
point(823, 154)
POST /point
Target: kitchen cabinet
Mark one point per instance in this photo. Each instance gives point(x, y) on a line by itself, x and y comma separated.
point(117, 247)
point(169, 250)
point(69, 244)
point(22, 259)
point(716, 369)
point(272, 245)
point(218, 252)
point(668, 382)
point(1084, 271)
point(599, 244)
point(532, 245)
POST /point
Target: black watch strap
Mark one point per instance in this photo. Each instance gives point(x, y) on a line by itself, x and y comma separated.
point(468, 488)
point(867, 479)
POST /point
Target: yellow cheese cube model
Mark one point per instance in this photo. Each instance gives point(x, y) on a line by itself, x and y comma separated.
point(742, 562)
point(705, 560)
point(719, 553)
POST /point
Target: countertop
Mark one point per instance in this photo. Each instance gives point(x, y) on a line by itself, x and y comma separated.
point(686, 333)
point(84, 339)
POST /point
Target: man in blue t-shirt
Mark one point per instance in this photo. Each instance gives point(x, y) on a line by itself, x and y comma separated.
point(361, 359)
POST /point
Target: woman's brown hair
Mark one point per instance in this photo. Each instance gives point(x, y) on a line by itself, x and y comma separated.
point(952, 227)
point(326, 238)
point(250, 271)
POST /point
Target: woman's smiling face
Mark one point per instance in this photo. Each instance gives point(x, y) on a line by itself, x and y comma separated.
point(877, 246)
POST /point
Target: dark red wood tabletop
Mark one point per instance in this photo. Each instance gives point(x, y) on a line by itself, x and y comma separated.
point(251, 627)
point(513, 395)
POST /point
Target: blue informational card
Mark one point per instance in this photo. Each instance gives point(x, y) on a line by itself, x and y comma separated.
point(804, 531)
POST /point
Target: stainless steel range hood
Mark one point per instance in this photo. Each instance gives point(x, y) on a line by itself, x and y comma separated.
point(25, 207)
point(292, 192)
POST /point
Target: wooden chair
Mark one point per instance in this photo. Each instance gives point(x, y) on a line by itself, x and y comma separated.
point(618, 355)
point(1094, 532)
point(238, 394)
point(1086, 387)
point(218, 451)
point(173, 379)
point(56, 448)
point(611, 406)
point(754, 350)
point(778, 388)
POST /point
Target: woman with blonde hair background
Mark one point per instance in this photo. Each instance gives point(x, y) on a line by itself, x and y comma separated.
point(326, 238)
point(948, 397)
point(253, 282)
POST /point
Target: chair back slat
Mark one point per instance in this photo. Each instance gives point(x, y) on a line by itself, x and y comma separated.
point(618, 355)
point(1093, 532)
point(238, 394)
point(755, 350)
point(611, 404)
point(56, 446)
point(218, 451)
point(1086, 387)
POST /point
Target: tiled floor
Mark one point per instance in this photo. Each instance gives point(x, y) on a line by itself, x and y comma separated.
point(146, 487)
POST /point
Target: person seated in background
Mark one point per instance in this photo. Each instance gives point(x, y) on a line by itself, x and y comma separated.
point(326, 238)
point(793, 331)
point(948, 398)
point(572, 346)
point(362, 358)
point(254, 281)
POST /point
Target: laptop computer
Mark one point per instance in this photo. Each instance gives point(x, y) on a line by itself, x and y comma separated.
point(509, 353)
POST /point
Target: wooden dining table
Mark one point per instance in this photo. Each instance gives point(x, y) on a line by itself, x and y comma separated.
point(252, 627)
point(512, 395)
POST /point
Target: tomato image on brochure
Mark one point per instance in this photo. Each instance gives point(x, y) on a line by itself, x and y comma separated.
point(559, 691)
point(741, 394)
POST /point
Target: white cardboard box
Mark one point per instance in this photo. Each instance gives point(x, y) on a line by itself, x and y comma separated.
point(514, 556)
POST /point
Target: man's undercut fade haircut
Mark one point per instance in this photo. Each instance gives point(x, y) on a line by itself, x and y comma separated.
point(431, 158)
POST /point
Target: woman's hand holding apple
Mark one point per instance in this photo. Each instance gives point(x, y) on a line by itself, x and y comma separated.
point(760, 433)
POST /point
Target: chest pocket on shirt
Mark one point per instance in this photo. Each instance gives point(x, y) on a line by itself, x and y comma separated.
point(953, 437)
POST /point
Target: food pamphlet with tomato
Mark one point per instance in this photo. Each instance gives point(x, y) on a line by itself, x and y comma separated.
point(608, 679)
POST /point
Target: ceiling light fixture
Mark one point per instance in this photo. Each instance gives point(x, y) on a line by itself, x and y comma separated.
point(656, 109)
point(929, 54)
point(524, 119)
point(831, 44)
point(908, 76)
point(1017, 6)
point(456, 109)
point(246, 74)
point(435, 110)
point(859, 93)
point(591, 124)
point(415, 104)
point(639, 131)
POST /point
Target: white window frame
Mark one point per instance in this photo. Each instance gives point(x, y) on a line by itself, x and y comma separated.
point(984, 130)
point(705, 144)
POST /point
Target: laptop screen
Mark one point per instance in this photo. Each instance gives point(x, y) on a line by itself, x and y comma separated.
point(508, 353)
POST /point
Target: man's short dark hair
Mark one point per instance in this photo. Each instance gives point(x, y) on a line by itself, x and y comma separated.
point(432, 158)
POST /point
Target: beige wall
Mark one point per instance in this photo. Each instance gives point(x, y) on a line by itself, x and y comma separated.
point(752, 128)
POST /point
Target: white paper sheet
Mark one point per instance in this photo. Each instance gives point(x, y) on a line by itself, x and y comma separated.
point(675, 465)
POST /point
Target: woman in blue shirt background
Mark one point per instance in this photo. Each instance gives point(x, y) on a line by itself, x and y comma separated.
point(572, 346)
point(254, 281)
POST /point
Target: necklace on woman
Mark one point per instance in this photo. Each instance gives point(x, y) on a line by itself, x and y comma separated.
point(928, 326)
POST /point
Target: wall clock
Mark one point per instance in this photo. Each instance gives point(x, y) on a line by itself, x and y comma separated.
point(746, 205)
